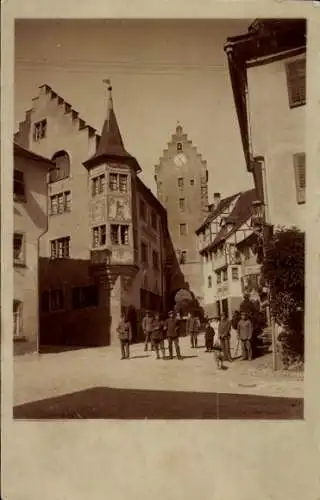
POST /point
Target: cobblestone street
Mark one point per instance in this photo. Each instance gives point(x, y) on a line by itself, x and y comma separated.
point(95, 383)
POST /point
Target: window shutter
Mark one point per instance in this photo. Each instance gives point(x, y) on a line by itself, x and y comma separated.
point(296, 81)
point(299, 162)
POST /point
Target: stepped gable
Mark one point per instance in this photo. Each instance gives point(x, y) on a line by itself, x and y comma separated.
point(239, 215)
point(110, 146)
point(178, 136)
point(68, 109)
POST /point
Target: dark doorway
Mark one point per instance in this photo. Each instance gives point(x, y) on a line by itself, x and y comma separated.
point(225, 307)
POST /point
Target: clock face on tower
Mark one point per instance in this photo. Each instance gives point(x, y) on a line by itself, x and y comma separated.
point(180, 160)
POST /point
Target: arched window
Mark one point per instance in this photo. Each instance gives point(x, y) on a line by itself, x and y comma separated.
point(62, 166)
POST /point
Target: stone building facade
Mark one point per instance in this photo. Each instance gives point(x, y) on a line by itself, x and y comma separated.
point(107, 248)
point(268, 76)
point(182, 186)
point(30, 223)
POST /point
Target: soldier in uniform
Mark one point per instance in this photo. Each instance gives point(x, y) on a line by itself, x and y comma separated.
point(172, 329)
point(194, 329)
point(125, 337)
point(245, 335)
point(157, 336)
point(147, 329)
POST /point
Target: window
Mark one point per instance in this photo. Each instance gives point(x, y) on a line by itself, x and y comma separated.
point(52, 300)
point(60, 248)
point(118, 182)
point(113, 182)
point(180, 182)
point(154, 220)
point(119, 234)
point(209, 282)
point(218, 278)
point(123, 181)
point(99, 236)
point(17, 319)
point(144, 253)
point(296, 81)
point(18, 185)
point(67, 201)
point(143, 210)
point(85, 296)
point(235, 273)
point(183, 257)
point(114, 234)
point(183, 229)
point(40, 130)
point(246, 253)
point(98, 184)
point(225, 275)
point(155, 260)
point(299, 163)
point(182, 204)
point(62, 166)
point(18, 249)
point(60, 203)
point(124, 234)
point(191, 182)
point(179, 146)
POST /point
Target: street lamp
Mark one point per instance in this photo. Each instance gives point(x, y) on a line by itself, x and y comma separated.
point(265, 230)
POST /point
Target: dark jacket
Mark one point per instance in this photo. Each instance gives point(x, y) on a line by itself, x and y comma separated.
point(157, 330)
point(224, 328)
point(245, 329)
point(193, 325)
point(209, 332)
point(124, 330)
point(172, 327)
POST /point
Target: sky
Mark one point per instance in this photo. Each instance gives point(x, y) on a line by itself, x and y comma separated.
point(162, 72)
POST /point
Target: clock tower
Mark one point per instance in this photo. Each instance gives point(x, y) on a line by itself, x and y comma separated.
point(182, 187)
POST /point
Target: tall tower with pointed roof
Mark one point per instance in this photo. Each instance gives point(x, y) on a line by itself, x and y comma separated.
point(111, 172)
point(182, 187)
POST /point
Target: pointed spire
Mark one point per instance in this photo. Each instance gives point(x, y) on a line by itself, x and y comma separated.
point(109, 95)
point(110, 146)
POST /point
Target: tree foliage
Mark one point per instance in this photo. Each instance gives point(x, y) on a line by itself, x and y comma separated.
point(283, 270)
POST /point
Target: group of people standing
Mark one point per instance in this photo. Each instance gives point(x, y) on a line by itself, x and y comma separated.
point(157, 330)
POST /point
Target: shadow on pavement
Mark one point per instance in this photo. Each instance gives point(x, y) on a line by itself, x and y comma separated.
point(55, 349)
point(140, 356)
point(111, 403)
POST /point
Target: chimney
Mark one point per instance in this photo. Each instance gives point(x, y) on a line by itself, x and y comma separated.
point(216, 199)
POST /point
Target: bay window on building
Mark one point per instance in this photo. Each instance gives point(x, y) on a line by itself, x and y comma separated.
point(119, 234)
point(99, 236)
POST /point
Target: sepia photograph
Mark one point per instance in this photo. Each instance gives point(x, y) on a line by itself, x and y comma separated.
point(159, 195)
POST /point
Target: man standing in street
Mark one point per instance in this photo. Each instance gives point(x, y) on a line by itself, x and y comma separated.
point(245, 335)
point(157, 336)
point(172, 328)
point(125, 337)
point(194, 329)
point(224, 336)
point(147, 329)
